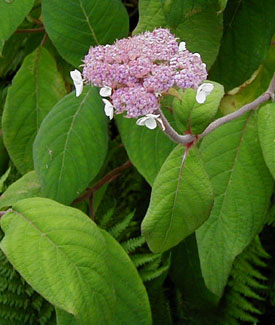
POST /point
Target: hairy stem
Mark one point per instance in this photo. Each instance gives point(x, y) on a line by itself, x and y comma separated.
point(269, 94)
point(172, 134)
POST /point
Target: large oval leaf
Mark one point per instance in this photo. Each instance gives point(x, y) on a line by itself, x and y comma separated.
point(36, 88)
point(266, 131)
point(248, 30)
point(12, 13)
point(74, 26)
point(181, 200)
point(63, 257)
point(147, 149)
point(195, 22)
point(71, 145)
point(132, 306)
point(242, 187)
point(25, 187)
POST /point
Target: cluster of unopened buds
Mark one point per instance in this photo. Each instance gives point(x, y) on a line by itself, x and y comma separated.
point(136, 71)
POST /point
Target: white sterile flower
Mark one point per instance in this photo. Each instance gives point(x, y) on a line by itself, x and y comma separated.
point(182, 46)
point(78, 82)
point(150, 121)
point(105, 91)
point(203, 91)
point(108, 109)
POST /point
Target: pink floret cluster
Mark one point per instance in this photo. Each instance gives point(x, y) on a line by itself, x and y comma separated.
point(140, 68)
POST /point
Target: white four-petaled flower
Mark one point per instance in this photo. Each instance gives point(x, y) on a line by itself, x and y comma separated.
point(150, 121)
point(203, 91)
point(108, 109)
point(78, 82)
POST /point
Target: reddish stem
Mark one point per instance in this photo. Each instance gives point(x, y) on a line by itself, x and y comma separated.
point(108, 178)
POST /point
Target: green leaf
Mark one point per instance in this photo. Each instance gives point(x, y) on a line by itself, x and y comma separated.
point(132, 306)
point(186, 274)
point(242, 187)
point(195, 117)
point(181, 200)
point(266, 131)
point(64, 318)
point(252, 88)
point(70, 156)
point(63, 257)
point(248, 29)
point(12, 54)
point(3, 178)
point(147, 149)
point(195, 22)
point(12, 13)
point(36, 88)
point(222, 4)
point(25, 187)
point(4, 158)
point(74, 26)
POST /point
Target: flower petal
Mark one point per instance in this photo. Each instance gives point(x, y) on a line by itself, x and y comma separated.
point(78, 89)
point(105, 91)
point(161, 123)
point(207, 87)
point(109, 111)
point(76, 75)
point(151, 123)
point(182, 46)
point(201, 96)
point(141, 121)
point(78, 81)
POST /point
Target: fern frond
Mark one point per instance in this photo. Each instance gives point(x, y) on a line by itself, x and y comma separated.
point(152, 274)
point(133, 243)
point(19, 303)
point(246, 286)
point(106, 218)
point(117, 229)
point(141, 259)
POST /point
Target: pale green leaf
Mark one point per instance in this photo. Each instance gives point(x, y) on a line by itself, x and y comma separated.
point(74, 26)
point(147, 149)
point(12, 13)
point(195, 117)
point(195, 22)
point(222, 4)
point(248, 30)
point(25, 187)
point(132, 306)
point(70, 156)
point(242, 187)
point(266, 131)
point(181, 200)
point(36, 88)
point(62, 254)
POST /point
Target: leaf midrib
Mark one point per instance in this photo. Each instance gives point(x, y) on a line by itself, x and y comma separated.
point(67, 140)
point(88, 22)
point(185, 155)
point(57, 247)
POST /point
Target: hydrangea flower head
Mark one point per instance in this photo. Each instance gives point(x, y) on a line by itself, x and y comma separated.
point(135, 71)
